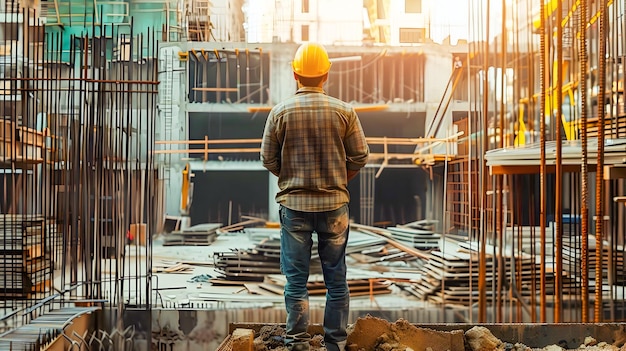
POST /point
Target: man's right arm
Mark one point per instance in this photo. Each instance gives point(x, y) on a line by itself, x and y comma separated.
point(270, 148)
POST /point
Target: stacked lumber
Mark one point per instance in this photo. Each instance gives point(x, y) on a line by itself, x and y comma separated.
point(258, 269)
point(26, 265)
point(612, 260)
point(244, 265)
point(20, 144)
point(452, 277)
point(253, 264)
point(198, 235)
point(449, 278)
point(613, 127)
point(358, 285)
point(418, 238)
point(172, 267)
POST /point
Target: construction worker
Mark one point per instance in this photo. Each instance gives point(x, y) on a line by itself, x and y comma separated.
point(314, 144)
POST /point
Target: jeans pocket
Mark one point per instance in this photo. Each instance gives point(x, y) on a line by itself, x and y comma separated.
point(338, 221)
point(291, 220)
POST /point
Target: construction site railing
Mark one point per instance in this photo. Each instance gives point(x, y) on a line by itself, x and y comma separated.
point(423, 155)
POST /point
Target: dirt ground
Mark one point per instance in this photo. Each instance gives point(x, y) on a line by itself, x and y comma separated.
point(271, 337)
point(372, 334)
point(375, 334)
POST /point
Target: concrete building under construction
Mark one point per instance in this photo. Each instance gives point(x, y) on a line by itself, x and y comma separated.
point(136, 214)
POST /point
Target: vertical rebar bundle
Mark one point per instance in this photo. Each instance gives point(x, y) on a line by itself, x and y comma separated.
point(78, 126)
point(568, 96)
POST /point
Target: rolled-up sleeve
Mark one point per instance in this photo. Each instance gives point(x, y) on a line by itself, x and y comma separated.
point(357, 151)
point(270, 148)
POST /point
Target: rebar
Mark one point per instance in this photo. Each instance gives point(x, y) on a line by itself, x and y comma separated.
point(80, 162)
point(601, 115)
point(584, 211)
point(542, 174)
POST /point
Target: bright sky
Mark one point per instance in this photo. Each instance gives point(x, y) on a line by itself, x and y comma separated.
point(447, 18)
point(451, 18)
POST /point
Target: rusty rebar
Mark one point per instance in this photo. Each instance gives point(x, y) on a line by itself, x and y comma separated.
point(584, 211)
point(601, 110)
point(542, 175)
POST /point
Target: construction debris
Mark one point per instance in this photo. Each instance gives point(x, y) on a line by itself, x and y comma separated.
point(174, 267)
point(372, 334)
point(480, 339)
point(202, 278)
point(375, 334)
point(243, 339)
point(271, 338)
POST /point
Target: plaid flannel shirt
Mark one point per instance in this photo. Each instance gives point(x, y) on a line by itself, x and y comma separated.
point(310, 140)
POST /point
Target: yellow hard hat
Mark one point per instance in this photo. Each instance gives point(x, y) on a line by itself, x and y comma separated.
point(311, 60)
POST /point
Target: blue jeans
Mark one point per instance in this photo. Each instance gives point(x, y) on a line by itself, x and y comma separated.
point(295, 255)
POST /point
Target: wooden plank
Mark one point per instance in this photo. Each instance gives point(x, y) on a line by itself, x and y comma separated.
point(256, 289)
point(225, 282)
point(276, 289)
point(389, 238)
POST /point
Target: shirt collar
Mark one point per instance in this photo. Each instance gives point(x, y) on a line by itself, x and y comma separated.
point(305, 90)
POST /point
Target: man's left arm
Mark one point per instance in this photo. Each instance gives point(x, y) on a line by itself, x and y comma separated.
point(270, 148)
point(357, 150)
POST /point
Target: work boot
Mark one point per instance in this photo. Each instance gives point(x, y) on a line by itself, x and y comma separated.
point(340, 346)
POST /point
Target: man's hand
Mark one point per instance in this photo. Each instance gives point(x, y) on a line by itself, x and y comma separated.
point(352, 174)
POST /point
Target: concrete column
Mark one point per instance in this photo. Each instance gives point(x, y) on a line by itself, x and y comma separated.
point(176, 165)
point(173, 123)
point(435, 87)
point(282, 84)
point(272, 205)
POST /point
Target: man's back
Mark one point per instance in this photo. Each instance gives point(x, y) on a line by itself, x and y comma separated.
point(319, 136)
